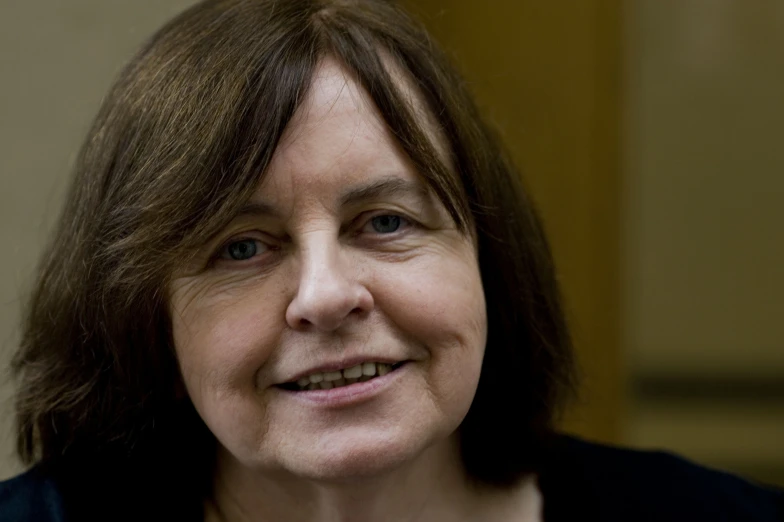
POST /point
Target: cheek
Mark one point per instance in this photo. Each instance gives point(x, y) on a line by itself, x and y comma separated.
point(221, 339)
point(443, 299)
point(439, 302)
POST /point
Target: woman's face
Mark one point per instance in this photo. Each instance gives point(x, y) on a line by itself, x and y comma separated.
point(342, 263)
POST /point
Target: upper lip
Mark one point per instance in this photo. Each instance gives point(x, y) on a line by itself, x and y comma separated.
point(342, 364)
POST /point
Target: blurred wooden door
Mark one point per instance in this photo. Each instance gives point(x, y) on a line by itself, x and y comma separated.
point(547, 75)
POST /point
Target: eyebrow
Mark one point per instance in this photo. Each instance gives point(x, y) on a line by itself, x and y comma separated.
point(385, 187)
point(391, 186)
point(256, 208)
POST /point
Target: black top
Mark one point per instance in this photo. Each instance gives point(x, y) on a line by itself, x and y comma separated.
point(582, 481)
point(585, 481)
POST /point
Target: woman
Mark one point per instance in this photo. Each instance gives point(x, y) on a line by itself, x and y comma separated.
point(298, 279)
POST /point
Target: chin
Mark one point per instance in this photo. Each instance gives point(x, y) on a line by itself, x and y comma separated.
point(354, 458)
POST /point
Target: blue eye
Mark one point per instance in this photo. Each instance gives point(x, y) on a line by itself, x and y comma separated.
point(385, 224)
point(241, 250)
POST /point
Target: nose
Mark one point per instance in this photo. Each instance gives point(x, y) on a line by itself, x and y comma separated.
point(328, 293)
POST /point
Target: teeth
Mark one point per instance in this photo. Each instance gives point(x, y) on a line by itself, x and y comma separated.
point(354, 372)
point(328, 380)
point(333, 376)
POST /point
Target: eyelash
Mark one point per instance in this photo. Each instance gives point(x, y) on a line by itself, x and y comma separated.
point(405, 223)
point(222, 252)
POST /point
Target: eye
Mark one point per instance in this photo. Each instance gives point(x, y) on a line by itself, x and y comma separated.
point(242, 249)
point(386, 224)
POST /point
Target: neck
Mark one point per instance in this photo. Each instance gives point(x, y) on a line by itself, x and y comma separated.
point(434, 487)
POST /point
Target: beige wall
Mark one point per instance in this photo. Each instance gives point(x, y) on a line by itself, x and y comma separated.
point(57, 59)
point(703, 230)
point(705, 202)
point(702, 283)
point(557, 107)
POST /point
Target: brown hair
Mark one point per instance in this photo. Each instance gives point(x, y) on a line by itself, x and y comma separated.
point(178, 146)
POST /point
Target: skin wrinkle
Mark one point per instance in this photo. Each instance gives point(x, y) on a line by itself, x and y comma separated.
point(302, 121)
point(183, 138)
point(321, 261)
point(409, 93)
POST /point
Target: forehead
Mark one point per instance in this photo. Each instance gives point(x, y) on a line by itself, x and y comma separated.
point(333, 92)
point(332, 83)
point(336, 107)
point(335, 138)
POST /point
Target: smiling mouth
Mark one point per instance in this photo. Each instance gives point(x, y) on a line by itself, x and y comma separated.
point(339, 378)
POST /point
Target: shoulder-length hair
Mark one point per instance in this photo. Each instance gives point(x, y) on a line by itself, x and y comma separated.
point(180, 143)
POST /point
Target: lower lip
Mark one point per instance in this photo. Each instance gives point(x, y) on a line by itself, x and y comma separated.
point(350, 394)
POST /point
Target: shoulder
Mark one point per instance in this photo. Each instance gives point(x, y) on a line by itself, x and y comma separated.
point(622, 484)
point(31, 496)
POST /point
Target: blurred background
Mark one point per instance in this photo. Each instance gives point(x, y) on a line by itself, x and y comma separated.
point(651, 133)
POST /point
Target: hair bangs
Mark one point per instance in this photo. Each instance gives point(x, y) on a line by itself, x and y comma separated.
point(374, 52)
